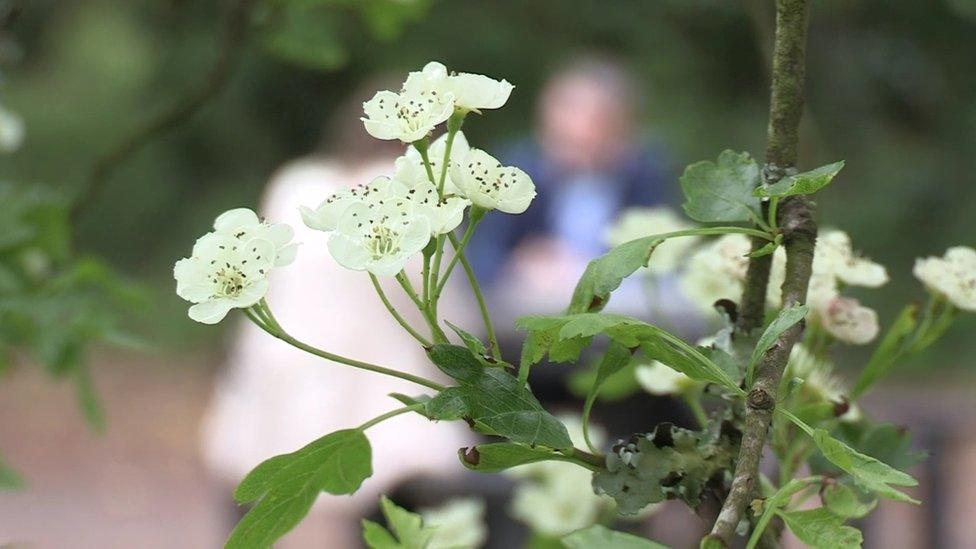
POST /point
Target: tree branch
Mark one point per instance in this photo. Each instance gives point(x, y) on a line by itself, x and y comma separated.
point(233, 38)
point(795, 220)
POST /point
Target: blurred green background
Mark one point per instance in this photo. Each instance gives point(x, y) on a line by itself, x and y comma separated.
point(890, 90)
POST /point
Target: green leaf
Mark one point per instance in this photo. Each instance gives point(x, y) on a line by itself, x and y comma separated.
point(475, 345)
point(801, 183)
point(819, 528)
point(498, 456)
point(494, 398)
point(628, 332)
point(843, 500)
point(604, 274)
point(406, 529)
point(9, 479)
point(286, 486)
point(722, 190)
point(615, 359)
point(867, 472)
point(888, 351)
point(605, 538)
point(785, 320)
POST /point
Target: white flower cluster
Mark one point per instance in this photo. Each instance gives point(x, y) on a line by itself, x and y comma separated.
point(229, 266)
point(952, 276)
point(718, 270)
point(637, 223)
point(557, 498)
point(427, 98)
point(377, 227)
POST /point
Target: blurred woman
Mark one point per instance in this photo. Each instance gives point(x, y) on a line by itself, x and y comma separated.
point(274, 399)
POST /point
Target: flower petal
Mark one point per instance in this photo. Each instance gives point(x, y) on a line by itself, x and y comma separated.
point(238, 218)
point(210, 312)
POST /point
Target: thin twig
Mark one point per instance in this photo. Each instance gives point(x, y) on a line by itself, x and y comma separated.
point(799, 237)
point(214, 81)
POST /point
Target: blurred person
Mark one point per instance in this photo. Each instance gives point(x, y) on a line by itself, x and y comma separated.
point(274, 399)
point(588, 163)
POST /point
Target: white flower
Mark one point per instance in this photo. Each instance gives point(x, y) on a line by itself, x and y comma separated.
point(410, 166)
point(11, 131)
point(408, 115)
point(470, 91)
point(953, 276)
point(443, 215)
point(849, 321)
point(557, 498)
point(379, 239)
point(637, 223)
point(659, 379)
point(485, 182)
point(819, 382)
point(717, 271)
point(458, 523)
point(326, 216)
point(835, 254)
point(244, 225)
point(224, 273)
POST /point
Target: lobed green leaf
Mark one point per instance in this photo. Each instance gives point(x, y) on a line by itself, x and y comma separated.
point(285, 486)
point(722, 191)
point(493, 398)
point(822, 529)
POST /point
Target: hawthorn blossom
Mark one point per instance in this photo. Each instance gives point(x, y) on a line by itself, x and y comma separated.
point(224, 272)
point(835, 254)
point(379, 239)
point(819, 382)
point(443, 215)
point(953, 276)
point(471, 92)
point(410, 166)
point(483, 180)
point(849, 321)
point(245, 225)
point(408, 115)
point(325, 217)
point(637, 223)
point(716, 271)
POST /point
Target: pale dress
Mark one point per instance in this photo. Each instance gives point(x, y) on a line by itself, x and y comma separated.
point(272, 398)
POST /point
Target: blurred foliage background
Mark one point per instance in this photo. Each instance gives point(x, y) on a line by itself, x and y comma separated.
point(890, 90)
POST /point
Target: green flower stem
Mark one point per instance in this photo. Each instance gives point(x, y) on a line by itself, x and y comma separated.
point(422, 145)
point(388, 415)
point(284, 336)
point(592, 462)
point(396, 315)
point(777, 500)
point(453, 126)
point(475, 217)
point(479, 297)
point(694, 404)
point(436, 332)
